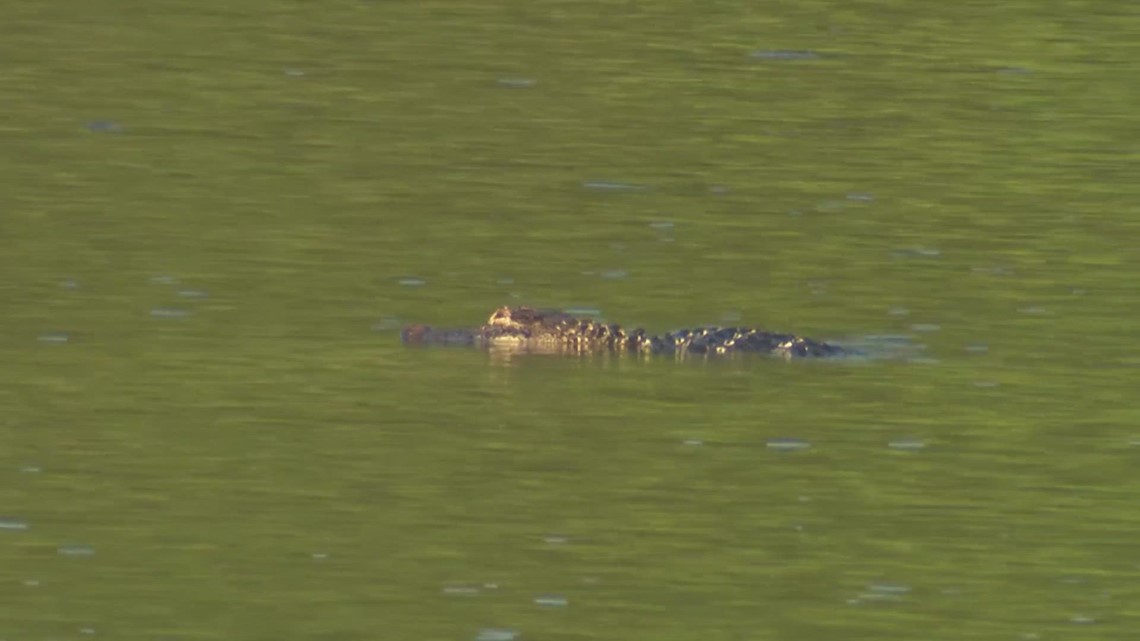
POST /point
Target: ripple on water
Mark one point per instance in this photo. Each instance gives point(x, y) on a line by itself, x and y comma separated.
point(497, 634)
point(75, 550)
point(583, 311)
point(467, 589)
point(386, 324)
point(163, 279)
point(12, 524)
point(105, 127)
point(605, 185)
point(916, 252)
point(664, 230)
point(923, 360)
point(412, 281)
point(907, 444)
point(169, 312)
point(517, 83)
point(193, 293)
point(788, 444)
point(551, 601)
point(784, 55)
point(54, 337)
point(879, 592)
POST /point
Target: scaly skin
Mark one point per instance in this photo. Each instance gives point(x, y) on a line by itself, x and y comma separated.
point(551, 331)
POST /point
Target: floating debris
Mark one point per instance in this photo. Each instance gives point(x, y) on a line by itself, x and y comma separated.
point(693, 442)
point(412, 282)
point(192, 293)
point(861, 197)
point(977, 348)
point(169, 312)
point(294, 73)
point(555, 539)
point(898, 311)
point(163, 280)
point(615, 274)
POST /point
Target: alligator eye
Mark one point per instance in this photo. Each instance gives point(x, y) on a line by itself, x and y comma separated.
point(501, 316)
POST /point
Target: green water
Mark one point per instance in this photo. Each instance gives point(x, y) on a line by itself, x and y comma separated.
point(213, 215)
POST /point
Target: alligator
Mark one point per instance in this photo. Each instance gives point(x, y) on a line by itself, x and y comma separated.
point(527, 329)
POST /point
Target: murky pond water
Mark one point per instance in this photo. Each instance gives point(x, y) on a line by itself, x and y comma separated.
point(215, 218)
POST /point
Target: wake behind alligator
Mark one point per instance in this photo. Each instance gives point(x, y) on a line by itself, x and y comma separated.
point(526, 329)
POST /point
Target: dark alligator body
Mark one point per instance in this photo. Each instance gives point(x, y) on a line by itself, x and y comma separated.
point(525, 329)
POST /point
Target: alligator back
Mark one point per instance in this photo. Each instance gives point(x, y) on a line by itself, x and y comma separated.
point(553, 331)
